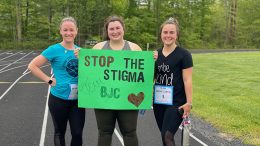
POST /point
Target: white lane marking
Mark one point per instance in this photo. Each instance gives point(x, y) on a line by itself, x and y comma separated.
point(195, 138)
point(9, 56)
point(5, 52)
point(30, 82)
point(119, 137)
point(24, 73)
point(19, 67)
point(12, 68)
point(198, 140)
point(16, 61)
point(44, 123)
point(20, 62)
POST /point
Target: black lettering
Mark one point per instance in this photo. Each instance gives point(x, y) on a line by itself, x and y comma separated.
point(132, 77)
point(126, 62)
point(114, 74)
point(106, 74)
point(141, 63)
point(133, 63)
point(124, 75)
point(140, 77)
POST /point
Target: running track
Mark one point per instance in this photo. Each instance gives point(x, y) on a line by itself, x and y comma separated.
point(25, 119)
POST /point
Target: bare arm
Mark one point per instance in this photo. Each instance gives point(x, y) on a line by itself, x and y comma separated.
point(134, 47)
point(99, 46)
point(34, 67)
point(187, 79)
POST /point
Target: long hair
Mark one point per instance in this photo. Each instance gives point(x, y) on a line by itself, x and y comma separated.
point(111, 19)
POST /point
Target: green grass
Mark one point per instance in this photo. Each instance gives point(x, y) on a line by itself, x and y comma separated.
point(227, 93)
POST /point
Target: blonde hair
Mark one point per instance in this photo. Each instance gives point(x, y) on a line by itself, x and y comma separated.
point(70, 19)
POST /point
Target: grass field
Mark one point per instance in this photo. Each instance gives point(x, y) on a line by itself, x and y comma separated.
point(227, 93)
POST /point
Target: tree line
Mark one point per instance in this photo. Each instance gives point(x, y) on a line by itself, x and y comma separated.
point(204, 24)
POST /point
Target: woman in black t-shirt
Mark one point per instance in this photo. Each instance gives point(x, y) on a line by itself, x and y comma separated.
point(173, 83)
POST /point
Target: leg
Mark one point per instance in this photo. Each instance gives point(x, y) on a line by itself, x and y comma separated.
point(171, 123)
point(127, 121)
point(158, 111)
point(106, 120)
point(77, 121)
point(59, 113)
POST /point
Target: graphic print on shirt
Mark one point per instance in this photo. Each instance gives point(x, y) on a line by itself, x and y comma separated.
point(162, 77)
point(71, 65)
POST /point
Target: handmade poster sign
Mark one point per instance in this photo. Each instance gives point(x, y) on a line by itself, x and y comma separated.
point(115, 79)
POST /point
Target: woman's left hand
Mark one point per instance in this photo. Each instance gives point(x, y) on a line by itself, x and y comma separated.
point(186, 108)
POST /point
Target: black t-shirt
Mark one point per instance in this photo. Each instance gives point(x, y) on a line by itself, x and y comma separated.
point(168, 71)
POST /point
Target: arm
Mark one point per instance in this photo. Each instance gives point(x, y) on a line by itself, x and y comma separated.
point(34, 67)
point(99, 46)
point(134, 47)
point(187, 79)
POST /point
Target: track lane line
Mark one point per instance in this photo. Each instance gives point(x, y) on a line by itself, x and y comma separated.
point(19, 67)
point(9, 56)
point(6, 91)
point(45, 118)
point(16, 61)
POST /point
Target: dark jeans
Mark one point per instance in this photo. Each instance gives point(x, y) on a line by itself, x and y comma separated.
point(127, 122)
point(168, 120)
point(63, 111)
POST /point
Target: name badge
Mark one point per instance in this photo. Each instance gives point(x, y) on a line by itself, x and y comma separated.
point(73, 91)
point(163, 94)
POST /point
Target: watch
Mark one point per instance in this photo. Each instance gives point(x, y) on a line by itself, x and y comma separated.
point(50, 82)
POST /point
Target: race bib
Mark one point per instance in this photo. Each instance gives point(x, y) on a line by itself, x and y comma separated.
point(163, 94)
point(73, 91)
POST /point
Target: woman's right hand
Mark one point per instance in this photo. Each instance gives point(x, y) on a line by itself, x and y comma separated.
point(76, 52)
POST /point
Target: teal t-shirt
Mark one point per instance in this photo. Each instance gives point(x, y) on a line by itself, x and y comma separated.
point(65, 69)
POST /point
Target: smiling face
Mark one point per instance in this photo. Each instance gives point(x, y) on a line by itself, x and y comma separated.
point(115, 31)
point(169, 34)
point(68, 31)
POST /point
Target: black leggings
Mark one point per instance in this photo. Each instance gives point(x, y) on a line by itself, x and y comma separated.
point(168, 120)
point(63, 111)
point(127, 122)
